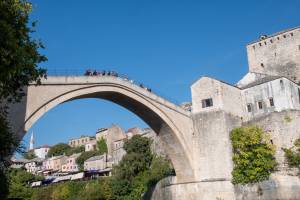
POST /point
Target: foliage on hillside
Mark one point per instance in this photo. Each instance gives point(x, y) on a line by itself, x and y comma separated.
point(74, 150)
point(138, 171)
point(253, 155)
point(29, 155)
point(102, 146)
point(292, 155)
point(145, 170)
point(58, 149)
point(18, 183)
point(84, 156)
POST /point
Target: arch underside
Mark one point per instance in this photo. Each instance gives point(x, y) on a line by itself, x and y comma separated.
point(159, 121)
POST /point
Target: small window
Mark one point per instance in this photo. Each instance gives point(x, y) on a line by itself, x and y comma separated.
point(207, 103)
point(262, 64)
point(249, 108)
point(284, 36)
point(259, 44)
point(271, 41)
point(265, 43)
point(278, 38)
point(292, 34)
point(271, 100)
point(281, 84)
point(260, 105)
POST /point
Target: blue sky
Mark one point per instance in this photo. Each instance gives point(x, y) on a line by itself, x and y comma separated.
point(167, 45)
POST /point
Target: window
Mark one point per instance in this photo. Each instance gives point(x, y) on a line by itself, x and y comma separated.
point(259, 44)
point(260, 105)
point(262, 64)
point(284, 36)
point(271, 41)
point(278, 38)
point(271, 100)
point(207, 103)
point(281, 84)
point(249, 108)
point(265, 43)
point(292, 34)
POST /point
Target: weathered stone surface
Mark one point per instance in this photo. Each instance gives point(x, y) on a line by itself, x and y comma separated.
point(172, 123)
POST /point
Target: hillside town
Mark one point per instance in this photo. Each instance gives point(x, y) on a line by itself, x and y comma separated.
point(65, 167)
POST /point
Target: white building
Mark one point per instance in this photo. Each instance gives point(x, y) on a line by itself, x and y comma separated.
point(251, 99)
point(34, 166)
point(91, 145)
point(41, 152)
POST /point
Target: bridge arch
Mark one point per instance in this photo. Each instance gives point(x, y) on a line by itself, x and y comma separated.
point(128, 97)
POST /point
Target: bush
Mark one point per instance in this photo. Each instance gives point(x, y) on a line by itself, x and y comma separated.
point(293, 156)
point(253, 156)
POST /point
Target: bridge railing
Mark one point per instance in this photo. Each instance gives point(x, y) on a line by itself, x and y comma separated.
point(83, 72)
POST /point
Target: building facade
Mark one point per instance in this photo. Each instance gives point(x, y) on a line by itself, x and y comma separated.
point(41, 152)
point(96, 163)
point(34, 166)
point(276, 55)
point(54, 163)
point(80, 141)
point(70, 164)
point(91, 145)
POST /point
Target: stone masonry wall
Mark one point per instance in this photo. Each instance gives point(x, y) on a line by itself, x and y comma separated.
point(276, 55)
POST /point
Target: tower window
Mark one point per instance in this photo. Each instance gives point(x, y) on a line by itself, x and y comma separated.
point(271, 100)
point(262, 64)
point(207, 103)
point(249, 108)
point(260, 105)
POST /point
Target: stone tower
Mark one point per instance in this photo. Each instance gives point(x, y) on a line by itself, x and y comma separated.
point(276, 55)
point(31, 143)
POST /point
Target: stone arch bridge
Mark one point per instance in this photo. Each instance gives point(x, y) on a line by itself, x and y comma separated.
point(172, 123)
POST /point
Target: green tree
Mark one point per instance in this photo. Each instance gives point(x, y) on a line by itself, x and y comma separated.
point(84, 156)
point(253, 155)
point(74, 150)
point(292, 155)
point(29, 155)
point(19, 181)
point(102, 146)
point(19, 59)
point(58, 149)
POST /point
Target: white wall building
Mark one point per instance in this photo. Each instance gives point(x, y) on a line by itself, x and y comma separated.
point(34, 165)
point(41, 152)
point(91, 145)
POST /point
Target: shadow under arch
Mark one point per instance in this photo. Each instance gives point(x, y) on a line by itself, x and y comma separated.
point(137, 103)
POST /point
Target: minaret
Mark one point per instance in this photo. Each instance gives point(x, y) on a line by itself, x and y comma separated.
point(31, 142)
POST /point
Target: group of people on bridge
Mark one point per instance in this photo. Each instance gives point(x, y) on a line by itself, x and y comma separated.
point(112, 73)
